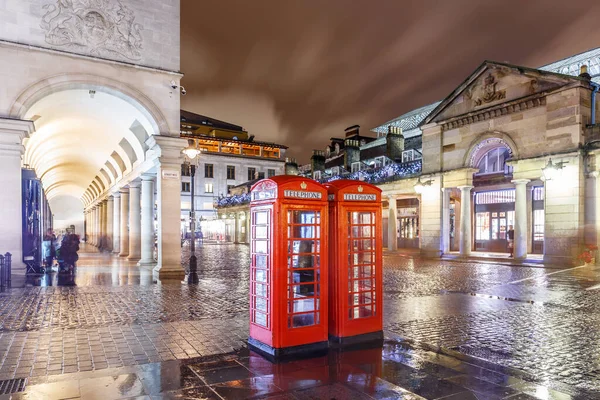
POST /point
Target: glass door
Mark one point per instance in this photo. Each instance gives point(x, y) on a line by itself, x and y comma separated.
point(361, 264)
point(304, 262)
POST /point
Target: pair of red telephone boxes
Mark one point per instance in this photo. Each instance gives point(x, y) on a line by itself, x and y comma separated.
point(316, 265)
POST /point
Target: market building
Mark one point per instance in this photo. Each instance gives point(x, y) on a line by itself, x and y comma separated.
point(510, 147)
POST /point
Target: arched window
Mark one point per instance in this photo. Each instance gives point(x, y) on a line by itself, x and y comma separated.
point(494, 161)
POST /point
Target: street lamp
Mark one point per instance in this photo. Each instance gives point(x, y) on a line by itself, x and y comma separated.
point(191, 152)
point(552, 170)
point(420, 186)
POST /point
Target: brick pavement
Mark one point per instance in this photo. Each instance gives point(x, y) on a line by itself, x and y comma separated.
point(482, 310)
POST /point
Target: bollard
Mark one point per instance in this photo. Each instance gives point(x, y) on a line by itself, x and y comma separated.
point(8, 269)
point(2, 261)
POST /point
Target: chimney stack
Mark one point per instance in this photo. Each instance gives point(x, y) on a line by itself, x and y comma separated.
point(351, 153)
point(317, 161)
point(291, 166)
point(394, 142)
point(583, 72)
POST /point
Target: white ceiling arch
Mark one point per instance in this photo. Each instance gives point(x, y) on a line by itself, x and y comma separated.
point(77, 132)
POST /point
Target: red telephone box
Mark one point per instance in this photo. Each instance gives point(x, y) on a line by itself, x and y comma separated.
point(355, 259)
point(288, 269)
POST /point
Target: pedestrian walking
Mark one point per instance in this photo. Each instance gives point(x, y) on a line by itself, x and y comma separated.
point(510, 236)
point(48, 248)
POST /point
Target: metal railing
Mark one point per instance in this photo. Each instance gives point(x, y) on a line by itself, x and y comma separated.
point(5, 271)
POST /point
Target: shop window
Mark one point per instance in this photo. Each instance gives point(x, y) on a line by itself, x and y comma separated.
point(482, 226)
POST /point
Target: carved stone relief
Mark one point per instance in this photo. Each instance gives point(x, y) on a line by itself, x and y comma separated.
point(102, 28)
point(490, 93)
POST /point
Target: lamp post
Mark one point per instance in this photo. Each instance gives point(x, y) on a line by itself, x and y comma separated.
point(191, 152)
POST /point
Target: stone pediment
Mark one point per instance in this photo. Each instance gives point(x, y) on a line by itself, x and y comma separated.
point(493, 84)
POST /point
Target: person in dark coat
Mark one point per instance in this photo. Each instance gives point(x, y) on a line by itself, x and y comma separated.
point(510, 236)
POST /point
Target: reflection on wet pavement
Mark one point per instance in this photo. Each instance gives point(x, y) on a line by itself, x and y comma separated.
point(476, 331)
point(394, 371)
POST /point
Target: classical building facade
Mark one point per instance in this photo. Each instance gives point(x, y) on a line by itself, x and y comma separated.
point(229, 158)
point(90, 100)
point(510, 147)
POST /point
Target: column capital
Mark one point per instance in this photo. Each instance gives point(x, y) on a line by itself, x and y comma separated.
point(12, 133)
point(465, 188)
point(520, 181)
point(110, 198)
point(124, 190)
point(116, 195)
point(147, 177)
point(135, 184)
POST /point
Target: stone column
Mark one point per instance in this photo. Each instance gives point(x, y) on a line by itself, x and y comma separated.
point(117, 223)
point(446, 220)
point(392, 223)
point(95, 225)
point(168, 204)
point(596, 175)
point(465, 221)
point(103, 223)
point(135, 225)
point(124, 245)
point(520, 244)
point(109, 222)
point(147, 232)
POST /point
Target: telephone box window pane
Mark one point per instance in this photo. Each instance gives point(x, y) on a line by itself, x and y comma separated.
point(361, 312)
point(261, 246)
point(303, 232)
point(360, 272)
point(261, 218)
point(261, 290)
point(298, 306)
point(303, 246)
point(304, 217)
point(262, 261)
point(304, 276)
point(360, 285)
point(360, 218)
point(304, 261)
point(261, 304)
point(300, 320)
point(307, 290)
point(260, 318)
point(260, 275)
point(261, 232)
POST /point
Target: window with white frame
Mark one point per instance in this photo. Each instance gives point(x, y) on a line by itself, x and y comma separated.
point(355, 166)
point(317, 175)
point(335, 171)
point(379, 162)
point(494, 161)
point(408, 155)
point(208, 188)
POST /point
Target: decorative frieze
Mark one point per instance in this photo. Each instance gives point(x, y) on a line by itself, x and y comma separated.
point(495, 112)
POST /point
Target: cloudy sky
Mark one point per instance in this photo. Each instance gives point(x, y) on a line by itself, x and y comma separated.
point(298, 72)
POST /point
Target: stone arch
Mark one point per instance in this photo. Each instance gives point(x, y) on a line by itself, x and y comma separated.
point(68, 81)
point(484, 142)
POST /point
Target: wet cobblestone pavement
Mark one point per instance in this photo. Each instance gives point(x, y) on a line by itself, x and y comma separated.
point(531, 329)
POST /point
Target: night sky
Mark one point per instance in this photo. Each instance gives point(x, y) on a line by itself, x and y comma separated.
point(298, 72)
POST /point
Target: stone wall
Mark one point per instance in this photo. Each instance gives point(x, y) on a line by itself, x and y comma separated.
point(141, 32)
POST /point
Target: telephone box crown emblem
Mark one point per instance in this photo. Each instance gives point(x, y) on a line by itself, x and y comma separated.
point(360, 189)
point(303, 186)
